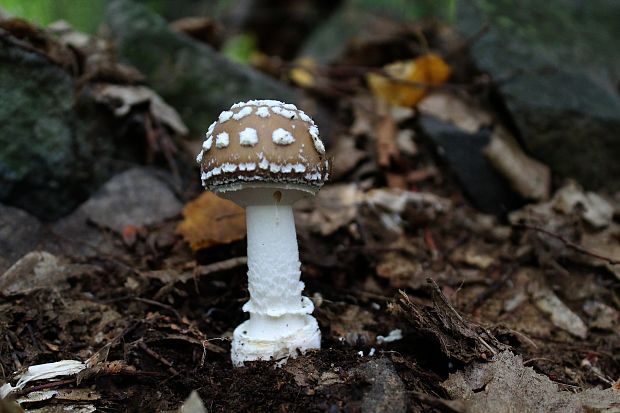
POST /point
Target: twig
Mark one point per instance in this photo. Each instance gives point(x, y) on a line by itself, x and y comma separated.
point(524, 336)
point(228, 264)
point(158, 304)
point(157, 357)
point(450, 406)
point(578, 248)
point(18, 364)
point(45, 386)
point(496, 286)
point(537, 359)
point(430, 242)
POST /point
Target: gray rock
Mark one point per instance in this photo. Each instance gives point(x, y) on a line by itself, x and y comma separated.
point(37, 270)
point(558, 67)
point(387, 392)
point(20, 233)
point(191, 76)
point(463, 153)
point(136, 197)
point(358, 22)
point(57, 145)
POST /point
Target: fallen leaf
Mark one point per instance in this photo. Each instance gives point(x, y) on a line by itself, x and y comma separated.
point(334, 207)
point(407, 82)
point(602, 315)
point(193, 404)
point(478, 256)
point(210, 220)
point(121, 98)
point(348, 156)
point(455, 110)
point(202, 28)
point(506, 385)
point(302, 74)
point(385, 133)
point(42, 372)
point(595, 209)
point(405, 141)
point(402, 272)
point(561, 316)
point(352, 325)
point(604, 243)
point(528, 177)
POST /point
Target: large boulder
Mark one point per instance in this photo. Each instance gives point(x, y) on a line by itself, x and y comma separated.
point(192, 76)
point(56, 144)
point(20, 233)
point(557, 66)
point(137, 197)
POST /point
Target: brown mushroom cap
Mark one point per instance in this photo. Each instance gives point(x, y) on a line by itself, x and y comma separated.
point(263, 142)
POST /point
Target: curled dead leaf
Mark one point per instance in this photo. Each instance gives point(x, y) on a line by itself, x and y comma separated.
point(210, 220)
point(407, 82)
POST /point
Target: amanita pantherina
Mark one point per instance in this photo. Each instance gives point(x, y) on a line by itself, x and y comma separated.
point(265, 155)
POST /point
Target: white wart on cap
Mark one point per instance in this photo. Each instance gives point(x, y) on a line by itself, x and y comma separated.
point(263, 141)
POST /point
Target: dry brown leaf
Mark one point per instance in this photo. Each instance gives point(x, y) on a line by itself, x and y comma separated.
point(560, 314)
point(348, 156)
point(408, 81)
point(506, 385)
point(385, 132)
point(605, 243)
point(210, 220)
point(527, 176)
point(455, 110)
point(302, 74)
point(402, 272)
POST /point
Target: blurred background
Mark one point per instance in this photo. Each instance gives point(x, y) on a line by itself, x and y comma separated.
point(521, 93)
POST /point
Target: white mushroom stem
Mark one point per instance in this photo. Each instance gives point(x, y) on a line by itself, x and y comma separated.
point(280, 322)
point(273, 262)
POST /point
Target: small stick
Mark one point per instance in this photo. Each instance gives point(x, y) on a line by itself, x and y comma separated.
point(157, 357)
point(496, 286)
point(568, 243)
point(158, 304)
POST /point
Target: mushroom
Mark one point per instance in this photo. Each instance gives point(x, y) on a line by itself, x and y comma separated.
point(264, 155)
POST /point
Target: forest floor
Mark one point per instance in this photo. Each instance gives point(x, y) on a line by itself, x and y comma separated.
point(424, 303)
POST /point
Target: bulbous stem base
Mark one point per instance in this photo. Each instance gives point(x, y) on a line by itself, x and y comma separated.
point(247, 346)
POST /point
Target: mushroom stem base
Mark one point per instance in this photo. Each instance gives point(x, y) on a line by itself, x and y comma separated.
point(248, 347)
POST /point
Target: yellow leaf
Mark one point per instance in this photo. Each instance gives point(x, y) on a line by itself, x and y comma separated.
point(422, 72)
point(302, 74)
point(210, 220)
